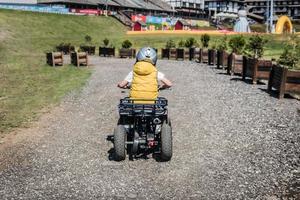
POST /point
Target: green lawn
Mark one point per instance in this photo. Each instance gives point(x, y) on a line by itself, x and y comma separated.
point(27, 85)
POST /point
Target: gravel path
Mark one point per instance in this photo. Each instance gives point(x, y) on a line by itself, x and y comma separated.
point(232, 140)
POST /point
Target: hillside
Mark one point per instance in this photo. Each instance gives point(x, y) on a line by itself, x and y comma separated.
point(27, 85)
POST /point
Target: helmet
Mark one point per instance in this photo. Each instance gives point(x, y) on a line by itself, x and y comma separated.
point(147, 54)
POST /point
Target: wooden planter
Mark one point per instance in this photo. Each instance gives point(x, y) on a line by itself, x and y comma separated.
point(106, 52)
point(165, 53)
point(55, 58)
point(127, 53)
point(212, 57)
point(180, 54)
point(283, 80)
point(66, 49)
point(203, 56)
point(222, 59)
point(89, 49)
point(173, 53)
point(256, 69)
point(79, 59)
point(235, 64)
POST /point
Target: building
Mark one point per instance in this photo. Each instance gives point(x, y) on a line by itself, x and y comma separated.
point(182, 25)
point(257, 9)
point(139, 26)
point(188, 8)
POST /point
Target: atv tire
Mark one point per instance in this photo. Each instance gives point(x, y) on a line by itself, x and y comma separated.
point(119, 143)
point(166, 142)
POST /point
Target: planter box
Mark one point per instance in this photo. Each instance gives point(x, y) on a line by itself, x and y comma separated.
point(66, 49)
point(283, 80)
point(180, 54)
point(127, 53)
point(173, 53)
point(55, 58)
point(235, 64)
point(79, 58)
point(256, 69)
point(165, 53)
point(203, 56)
point(212, 57)
point(89, 49)
point(222, 59)
point(106, 52)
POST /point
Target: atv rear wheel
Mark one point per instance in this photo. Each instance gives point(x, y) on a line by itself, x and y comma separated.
point(119, 143)
point(166, 142)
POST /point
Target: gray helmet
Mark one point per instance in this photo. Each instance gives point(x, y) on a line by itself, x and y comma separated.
point(147, 54)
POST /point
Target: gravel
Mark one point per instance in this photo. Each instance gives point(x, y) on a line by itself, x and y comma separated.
point(232, 140)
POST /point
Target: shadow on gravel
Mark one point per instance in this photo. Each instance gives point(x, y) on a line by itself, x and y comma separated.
point(222, 73)
point(248, 81)
point(145, 155)
point(275, 94)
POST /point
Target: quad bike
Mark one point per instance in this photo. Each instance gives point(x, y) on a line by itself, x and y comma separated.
point(143, 128)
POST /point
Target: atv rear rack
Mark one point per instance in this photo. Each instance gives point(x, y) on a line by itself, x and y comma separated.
point(133, 107)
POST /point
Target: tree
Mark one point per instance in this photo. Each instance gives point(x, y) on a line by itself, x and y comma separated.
point(255, 46)
point(205, 40)
point(126, 44)
point(237, 44)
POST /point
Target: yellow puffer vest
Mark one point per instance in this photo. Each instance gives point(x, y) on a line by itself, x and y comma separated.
point(144, 84)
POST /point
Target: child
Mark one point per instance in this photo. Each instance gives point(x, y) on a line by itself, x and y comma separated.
point(144, 78)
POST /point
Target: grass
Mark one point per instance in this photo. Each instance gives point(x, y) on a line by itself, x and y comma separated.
point(27, 85)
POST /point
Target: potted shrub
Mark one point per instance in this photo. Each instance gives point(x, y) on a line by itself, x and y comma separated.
point(180, 50)
point(190, 44)
point(235, 59)
point(87, 47)
point(254, 66)
point(66, 48)
point(105, 49)
point(285, 77)
point(222, 55)
point(126, 51)
point(166, 52)
point(203, 55)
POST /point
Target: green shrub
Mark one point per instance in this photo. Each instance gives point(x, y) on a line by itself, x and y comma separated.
point(223, 44)
point(181, 44)
point(237, 44)
point(255, 46)
point(126, 44)
point(205, 40)
point(190, 42)
point(289, 57)
point(106, 42)
point(170, 44)
point(88, 39)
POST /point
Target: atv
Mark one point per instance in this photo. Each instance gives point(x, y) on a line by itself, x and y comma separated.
point(143, 128)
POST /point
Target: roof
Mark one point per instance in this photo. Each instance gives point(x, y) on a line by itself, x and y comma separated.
point(157, 5)
point(185, 23)
point(141, 23)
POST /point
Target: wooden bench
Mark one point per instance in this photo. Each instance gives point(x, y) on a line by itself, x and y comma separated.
point(79, 59)
point(256, 69)
point(55, 58)
point(235, 64)
point(283, 80)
